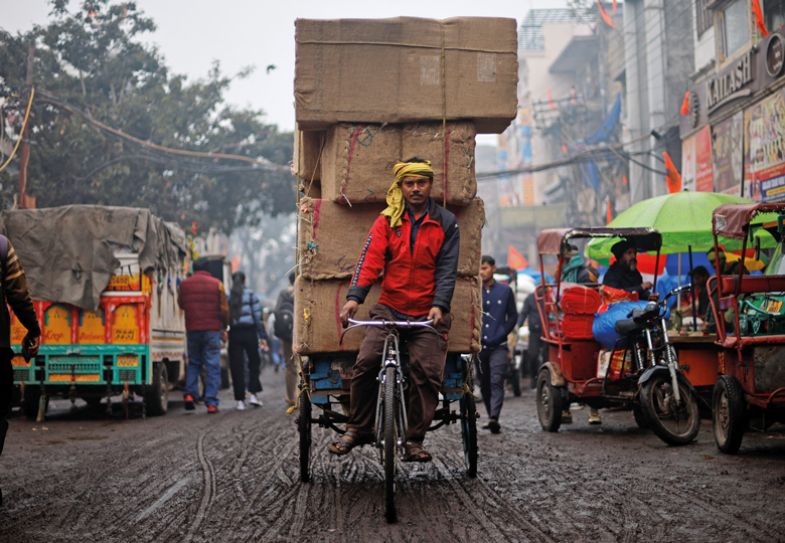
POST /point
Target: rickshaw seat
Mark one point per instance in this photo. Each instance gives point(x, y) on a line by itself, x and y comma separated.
point(753, 283)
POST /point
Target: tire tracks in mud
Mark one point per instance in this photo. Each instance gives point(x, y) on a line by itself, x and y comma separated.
point(208, 489)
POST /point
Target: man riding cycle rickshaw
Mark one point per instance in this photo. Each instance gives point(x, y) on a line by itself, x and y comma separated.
point(403, 382)
point(414, 242)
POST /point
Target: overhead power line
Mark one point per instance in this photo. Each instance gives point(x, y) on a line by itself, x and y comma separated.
point(258, 163)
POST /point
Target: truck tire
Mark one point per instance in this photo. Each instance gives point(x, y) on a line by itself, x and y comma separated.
point(156, 396)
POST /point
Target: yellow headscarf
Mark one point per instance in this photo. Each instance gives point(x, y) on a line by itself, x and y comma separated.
point(395, 203)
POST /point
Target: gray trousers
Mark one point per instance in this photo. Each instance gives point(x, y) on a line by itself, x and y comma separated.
point(492, 367)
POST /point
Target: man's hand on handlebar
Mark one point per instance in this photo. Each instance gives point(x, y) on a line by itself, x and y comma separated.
point(435, 315)
point(348, 311)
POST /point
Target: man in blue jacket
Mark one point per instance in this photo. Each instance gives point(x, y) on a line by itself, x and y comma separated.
point(499, 316)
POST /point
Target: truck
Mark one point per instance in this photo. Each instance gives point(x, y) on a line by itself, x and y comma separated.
point(104, 286)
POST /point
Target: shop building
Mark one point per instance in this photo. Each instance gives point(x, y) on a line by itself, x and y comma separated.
point(733, 130)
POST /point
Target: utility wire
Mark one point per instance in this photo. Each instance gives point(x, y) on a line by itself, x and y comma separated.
point(259, 163)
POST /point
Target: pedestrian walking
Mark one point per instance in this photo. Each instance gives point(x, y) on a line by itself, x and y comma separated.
point(246, 336)
point(537, 349)
point(15, 294)
point(499, 317)
point(203, 299)
point(283, 328)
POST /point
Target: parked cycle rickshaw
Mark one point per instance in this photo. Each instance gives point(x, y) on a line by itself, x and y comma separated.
point(325, 385)
point(750, 316)
point(640, 372)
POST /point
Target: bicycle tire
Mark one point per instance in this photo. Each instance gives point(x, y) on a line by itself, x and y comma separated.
point(304, 429)
point(389, 444)
point(469, 433)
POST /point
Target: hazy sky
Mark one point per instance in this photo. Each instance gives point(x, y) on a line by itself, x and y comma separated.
point(240, 33)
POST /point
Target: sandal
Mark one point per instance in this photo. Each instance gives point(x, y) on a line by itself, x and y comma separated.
point(348, 441)
point(416, 453)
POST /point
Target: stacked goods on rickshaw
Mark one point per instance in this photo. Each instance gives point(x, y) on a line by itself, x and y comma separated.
point(406, 69)
point(104, 285)
point(370, 93)
point(747, 310)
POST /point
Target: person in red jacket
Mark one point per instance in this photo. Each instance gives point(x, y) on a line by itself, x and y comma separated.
point(414, 243)
point(203, 299)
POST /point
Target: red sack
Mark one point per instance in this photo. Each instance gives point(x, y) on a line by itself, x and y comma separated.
point(577, 326)
point(610, 295)
point(579, 300)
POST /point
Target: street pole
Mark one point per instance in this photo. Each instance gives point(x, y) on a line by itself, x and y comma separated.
point(21, 203)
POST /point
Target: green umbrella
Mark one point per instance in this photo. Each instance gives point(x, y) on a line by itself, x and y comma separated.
point(683, 219)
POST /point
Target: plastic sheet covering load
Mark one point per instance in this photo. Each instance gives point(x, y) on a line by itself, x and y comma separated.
point(579, 300)
point(353, 161)
point(331, 237)
point(406, 69)
point(604, 327)
point(317, 308)
point(68, 252)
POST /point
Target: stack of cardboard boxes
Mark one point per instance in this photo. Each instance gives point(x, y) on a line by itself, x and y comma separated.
point(368, 94)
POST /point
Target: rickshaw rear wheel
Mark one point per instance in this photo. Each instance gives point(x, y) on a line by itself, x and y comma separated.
point(549, 402)
point(389, 446)
point(469, 433)
point(658, 404)
point(728, 414)
point(304, 424)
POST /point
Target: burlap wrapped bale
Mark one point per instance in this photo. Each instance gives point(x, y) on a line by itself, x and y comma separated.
point(317, 308)
point(307, 150)
point(406, 69)
point(356, 160)
point(331, 237)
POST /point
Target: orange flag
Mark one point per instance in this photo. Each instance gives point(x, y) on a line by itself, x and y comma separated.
point(609, 213)
point(607, 19)
point(673, 177)
point(759, 20)
point(516, 260)
point(685, 104)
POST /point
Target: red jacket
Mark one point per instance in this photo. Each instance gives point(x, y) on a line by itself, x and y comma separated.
point(203, 298)
point(418, 275)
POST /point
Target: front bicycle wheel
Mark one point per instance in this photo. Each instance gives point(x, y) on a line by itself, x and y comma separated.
point(469, 433)
point(389, 444)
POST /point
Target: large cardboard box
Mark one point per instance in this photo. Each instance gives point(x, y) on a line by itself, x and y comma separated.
point(331, 237)
point(406, 69)
point(356, 160)
point(308, 147)
point(317, 308)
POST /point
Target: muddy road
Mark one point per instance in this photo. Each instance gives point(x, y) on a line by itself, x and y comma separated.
point(190, 477)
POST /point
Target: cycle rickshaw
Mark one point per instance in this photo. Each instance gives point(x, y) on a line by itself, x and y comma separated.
point(325, 383)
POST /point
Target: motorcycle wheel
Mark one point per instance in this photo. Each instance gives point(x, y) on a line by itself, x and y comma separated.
point(549, 402)
point(672, 423)
point(640, 418)
point(728, 414)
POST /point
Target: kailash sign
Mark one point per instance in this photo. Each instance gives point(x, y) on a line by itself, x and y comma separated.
point(730, 83)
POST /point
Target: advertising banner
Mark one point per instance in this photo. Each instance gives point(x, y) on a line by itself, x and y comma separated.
point(728, 154)
point(688, 162)
point(764, 124)
point(704, 175)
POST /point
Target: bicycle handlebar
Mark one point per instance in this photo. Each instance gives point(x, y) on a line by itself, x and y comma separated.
point(397, 324)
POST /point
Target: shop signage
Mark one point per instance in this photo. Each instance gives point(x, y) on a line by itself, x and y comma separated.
point(775, 55)
point(730, 84)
